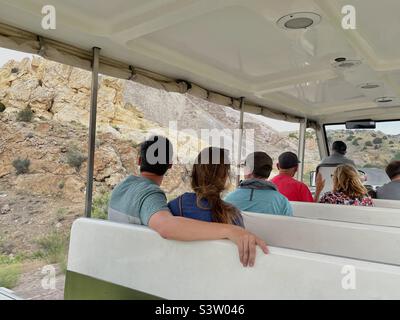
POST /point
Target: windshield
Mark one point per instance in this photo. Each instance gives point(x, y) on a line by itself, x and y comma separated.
point(371, 149)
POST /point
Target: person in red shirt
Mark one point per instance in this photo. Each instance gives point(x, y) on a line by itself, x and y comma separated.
point(294, 190)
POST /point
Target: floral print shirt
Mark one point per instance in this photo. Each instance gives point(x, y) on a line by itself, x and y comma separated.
point(341, 198)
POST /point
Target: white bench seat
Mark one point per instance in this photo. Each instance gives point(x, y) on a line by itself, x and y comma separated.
point(139, 259)
point(393, 204)
point(358, 241)
point(362, 215)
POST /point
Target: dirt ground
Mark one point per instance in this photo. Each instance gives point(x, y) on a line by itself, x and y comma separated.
point(24, 218)
point(34, 285)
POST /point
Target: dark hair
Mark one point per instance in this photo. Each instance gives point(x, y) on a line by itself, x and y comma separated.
point(339, 146)
point(209, 181)
point(393, 169)
point(156, 155)
point(260, 164)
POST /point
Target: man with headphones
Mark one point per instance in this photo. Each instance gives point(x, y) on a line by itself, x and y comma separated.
point(339, 149)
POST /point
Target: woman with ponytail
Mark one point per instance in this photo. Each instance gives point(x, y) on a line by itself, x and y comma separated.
point(208, 180)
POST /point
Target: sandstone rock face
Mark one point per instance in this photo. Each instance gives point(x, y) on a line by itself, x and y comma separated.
point(46, 144)
point(58, 92)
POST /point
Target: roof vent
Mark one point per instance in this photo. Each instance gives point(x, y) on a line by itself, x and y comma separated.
point(299, 20)
point(369, 86)
point(344, 64)
point(384, 99)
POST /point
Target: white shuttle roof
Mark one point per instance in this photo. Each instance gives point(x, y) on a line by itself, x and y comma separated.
point(237, 48)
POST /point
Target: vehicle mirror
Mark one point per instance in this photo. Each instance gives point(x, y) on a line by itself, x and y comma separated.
point(362, 124)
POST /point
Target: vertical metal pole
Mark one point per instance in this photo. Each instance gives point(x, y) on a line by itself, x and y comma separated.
point(302, 146)
point(322, 146)
point(240, 139)
point(92, 131)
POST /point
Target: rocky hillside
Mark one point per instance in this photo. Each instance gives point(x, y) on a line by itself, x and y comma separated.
point(43, 122)
point(369, 148)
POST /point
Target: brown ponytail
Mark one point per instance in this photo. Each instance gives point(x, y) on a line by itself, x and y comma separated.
point(209, 175)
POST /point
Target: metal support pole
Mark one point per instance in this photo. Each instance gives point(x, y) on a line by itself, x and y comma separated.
point(92, 131)
point(240, 139)
point(302, 146)
point(322, 146)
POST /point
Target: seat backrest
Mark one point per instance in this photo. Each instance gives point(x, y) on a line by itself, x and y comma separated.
point(365, 242)
point(355, 214)
point(327, 171)
point(393, 204)
point(117, 261)
point(7, 294)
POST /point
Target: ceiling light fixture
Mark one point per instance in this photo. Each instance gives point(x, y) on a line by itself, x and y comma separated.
point(299, 20)
point(384, 99)
point(343, 63)
point(368, 86)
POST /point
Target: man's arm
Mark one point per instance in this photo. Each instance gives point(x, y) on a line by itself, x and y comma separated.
point(183, 229)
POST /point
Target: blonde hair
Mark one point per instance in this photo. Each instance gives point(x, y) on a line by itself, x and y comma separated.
point(347, 180)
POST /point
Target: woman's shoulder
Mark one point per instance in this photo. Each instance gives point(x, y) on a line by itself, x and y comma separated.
point(330, 194)
point(367, 201)
point(332, 197)
point(186, 195)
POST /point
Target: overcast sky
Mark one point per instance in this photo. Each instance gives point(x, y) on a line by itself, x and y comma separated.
point(6, 55)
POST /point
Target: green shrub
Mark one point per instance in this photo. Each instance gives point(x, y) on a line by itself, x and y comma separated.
point(61, 214)
point(9, 275)
point(21, 165)
point(25, 115)
point(53, 247)
point(98, 143)
point(391, 142)
point(75, 158)
point(100, 206)
point(397, 156)
point(368, 144)
point(377, 141)
point(116, 128)
point(349, 138)
point(355, 143)
point(2, 107)
point(371, 165)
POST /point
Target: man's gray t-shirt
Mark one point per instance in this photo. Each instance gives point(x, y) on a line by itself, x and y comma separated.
point(337, 158)
point(135, 200)
point(389, 191)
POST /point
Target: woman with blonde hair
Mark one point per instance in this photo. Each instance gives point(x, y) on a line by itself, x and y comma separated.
point(347, 188)
point(209, 178)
